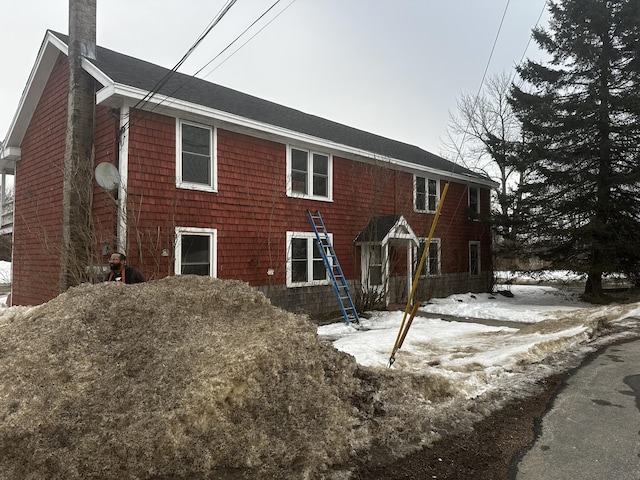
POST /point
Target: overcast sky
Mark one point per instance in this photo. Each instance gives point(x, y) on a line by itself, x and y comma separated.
point(391, 67)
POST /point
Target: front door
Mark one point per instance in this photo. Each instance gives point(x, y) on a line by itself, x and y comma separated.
point(373, 275)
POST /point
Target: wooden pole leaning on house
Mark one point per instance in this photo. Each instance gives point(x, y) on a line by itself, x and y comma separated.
point(404, 326)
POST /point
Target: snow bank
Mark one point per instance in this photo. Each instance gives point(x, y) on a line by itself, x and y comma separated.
point(172, 378)
point(193, 377)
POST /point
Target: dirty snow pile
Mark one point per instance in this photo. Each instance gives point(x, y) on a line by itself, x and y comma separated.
point(192, 377)
point(170, 379)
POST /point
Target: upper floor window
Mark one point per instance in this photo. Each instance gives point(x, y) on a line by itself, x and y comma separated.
point(195, 251)
point(426, 192)
point(309, 174)
point(432, 261)
point(196, 162)
point(305, 265)
point(474, 200)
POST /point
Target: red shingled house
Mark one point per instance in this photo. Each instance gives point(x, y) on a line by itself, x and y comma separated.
point(217, 182)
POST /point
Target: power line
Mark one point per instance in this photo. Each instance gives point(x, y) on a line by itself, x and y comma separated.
point(477, 97)
point(202, 36)
point(147, 98)
point(544, 7)
point(248, 40)
point(189, 78)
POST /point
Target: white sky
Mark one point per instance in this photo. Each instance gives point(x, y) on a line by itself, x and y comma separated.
point(395, 68)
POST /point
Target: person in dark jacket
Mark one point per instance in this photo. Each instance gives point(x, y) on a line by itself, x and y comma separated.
point(121, 272)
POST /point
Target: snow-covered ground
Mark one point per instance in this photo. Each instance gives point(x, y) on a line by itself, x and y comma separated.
point(478, 357)
point(474, 355)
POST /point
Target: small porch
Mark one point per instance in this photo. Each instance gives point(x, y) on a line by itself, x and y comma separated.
point(388, 247)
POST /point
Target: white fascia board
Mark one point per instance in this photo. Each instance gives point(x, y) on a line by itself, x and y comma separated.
point(167, 104)
point(47, 56)
point(8, 157)
point(96, 73)
point(10, 153)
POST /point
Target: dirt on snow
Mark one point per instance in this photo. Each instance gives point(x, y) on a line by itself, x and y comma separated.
point(198, 378)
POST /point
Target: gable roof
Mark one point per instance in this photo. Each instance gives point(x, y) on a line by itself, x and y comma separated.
point(381, 228)
point(126, 76)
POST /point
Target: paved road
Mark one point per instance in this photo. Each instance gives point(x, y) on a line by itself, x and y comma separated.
point(592, 431)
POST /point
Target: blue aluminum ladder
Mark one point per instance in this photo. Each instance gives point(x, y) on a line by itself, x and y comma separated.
point(340, 287)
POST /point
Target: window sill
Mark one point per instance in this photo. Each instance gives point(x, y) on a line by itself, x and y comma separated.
point(320, 283)
point(309, 197)
point(197, 187)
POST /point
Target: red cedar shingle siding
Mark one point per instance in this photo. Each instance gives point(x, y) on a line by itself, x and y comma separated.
point(38, 201)
point(250, 210)
point(38, 204)
point(252, 213)
point(106, 150)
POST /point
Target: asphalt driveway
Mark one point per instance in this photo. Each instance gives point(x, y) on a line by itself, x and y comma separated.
point(592, 430)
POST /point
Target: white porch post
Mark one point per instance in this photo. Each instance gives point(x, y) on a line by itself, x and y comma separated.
point(123, 168)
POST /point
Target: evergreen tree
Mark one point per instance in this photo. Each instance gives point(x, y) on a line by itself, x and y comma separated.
point(580, 114)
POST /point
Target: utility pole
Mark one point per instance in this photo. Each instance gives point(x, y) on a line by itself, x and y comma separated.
point(77, 237)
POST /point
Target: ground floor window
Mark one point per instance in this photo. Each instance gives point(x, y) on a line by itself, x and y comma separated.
point(196, 251)
point(432, 261)
point(305, 265)
point(474, 258)
point(375, 265)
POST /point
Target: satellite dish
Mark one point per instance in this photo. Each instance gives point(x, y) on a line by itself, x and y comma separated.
point(107, 176)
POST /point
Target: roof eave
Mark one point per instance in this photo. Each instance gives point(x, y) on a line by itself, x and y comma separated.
point(47, 56)
point(118, 94)
point(8, 157)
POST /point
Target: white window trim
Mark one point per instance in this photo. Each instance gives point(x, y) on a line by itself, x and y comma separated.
point(425, 268)
point(426, 202)
point(310, 152)
point(213, 155)
point(311, 239)
point(479, 259)
point(213, 254)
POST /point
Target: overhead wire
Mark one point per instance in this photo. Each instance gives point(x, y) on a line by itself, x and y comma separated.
point(524, 53)
point(248, 40)
point(170, 73)
point(212, 24)
point(163, 81)
point(404, 326)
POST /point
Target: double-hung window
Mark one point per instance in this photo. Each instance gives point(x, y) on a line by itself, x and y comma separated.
point(375, 265)
point(305, 265)
point(196, 162)
point(474, 201)
point(309, 174)
point(432, 261)
point(196, 251)
point(474, 258)
point(426, 192)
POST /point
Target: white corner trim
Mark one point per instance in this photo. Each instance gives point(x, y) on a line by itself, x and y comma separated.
point(123, 168)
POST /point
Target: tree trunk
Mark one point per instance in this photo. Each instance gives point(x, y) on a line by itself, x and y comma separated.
point(593, 291)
